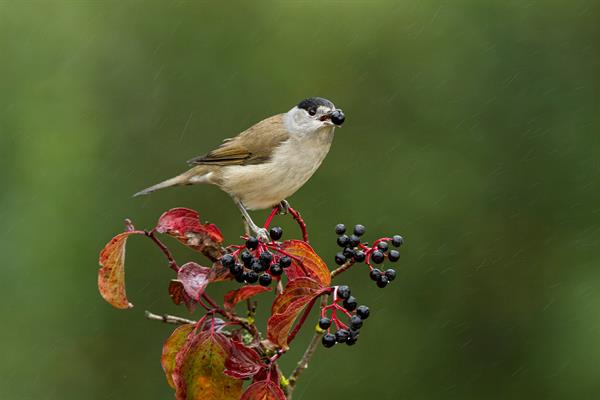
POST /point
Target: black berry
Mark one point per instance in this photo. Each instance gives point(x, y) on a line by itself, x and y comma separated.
point(354, 240)
point(383, 246)
point(328, 340)
point(340, 229)
point(276, 269)
point(252, 242)
point(324, 323)
point(285, 261)
point(390, 274)
point(265, 279)
point(377, 257)
point(375, 274)
point(236, 269)
point(265, 259)
point(393, 255)
point(382, 281)
point(350, 303)
point(348, 253)
point(257, 267)
point(227, 261)
point(359, 230)
point(397, 240)
point(251, 276)
point(359, 256)
point(340, 258)
point(241, 277)
point(363, 312)
point(342, 335)
point(352, 337)
point(343, 241)
point(343, 292)
point(276, 232)
point(247, 258)
point(356, 322)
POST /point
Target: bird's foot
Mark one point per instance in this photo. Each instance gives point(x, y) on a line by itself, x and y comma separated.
point(262, 234)
point(284, 207)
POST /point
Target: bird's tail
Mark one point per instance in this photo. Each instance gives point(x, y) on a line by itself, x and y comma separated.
point(178, 180)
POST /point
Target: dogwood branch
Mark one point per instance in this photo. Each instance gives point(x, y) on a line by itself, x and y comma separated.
point(168, 319)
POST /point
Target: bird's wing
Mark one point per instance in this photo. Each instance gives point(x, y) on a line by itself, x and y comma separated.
point(253, 146)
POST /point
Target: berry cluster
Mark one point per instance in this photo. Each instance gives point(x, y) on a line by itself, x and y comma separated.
point(253, 262)
point(349, 306)
point(355, 251)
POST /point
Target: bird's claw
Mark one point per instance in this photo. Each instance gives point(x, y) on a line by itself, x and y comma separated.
point(263, 235)
point(284, 207)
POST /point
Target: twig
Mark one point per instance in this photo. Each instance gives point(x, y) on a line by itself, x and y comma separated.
point(168, 319)
point(341, 269)
point(308, 353)
point(172, 263)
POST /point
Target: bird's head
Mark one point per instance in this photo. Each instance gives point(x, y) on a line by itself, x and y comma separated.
point(313, 114)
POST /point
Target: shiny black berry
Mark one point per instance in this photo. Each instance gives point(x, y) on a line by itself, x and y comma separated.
point(276, 232)
point(265, 259)
point(257, 267)
point(342, 335)
point(241, 277)
point(265, 279)
point(343, 292)
point(383, 246)
point(328, 340)
point(382, 281)
point(251, 276)
point(285, 261)
point(390, 274)
point(236, 269)
point(227, 261)
point(340, 229)
point(350, 303)
point(352, 337)
point(348, 253)
point(354, 240)
point(363, 312)
point(276, 269)
point(343, 241)
point(393, 255)
point(397, 240)
point(377, 257)
point(375, 274)
point(338, 117)
point(359, 256)
point(340, 258)
point(324, 323)
point(359, 230)
point(247, 258)
point(252, 242)
point(356, 322)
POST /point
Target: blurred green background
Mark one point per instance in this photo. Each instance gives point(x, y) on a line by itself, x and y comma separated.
point(472, 129)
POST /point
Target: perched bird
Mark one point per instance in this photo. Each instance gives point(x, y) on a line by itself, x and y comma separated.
point(268, 162)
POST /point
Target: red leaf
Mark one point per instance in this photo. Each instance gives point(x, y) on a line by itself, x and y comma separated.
point(235, 296)
point(198, 373)
point(194, 278)
point(288, 305)
point(310, 263)
point(170, 349)
point(184, 224)
point(263, 390)
point(111, 276)
point(243, 362)
point(178, 295)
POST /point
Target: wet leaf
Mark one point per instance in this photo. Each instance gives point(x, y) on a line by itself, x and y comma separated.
point(194, 279)
point(263, 390)
point(288, 305)
point(199, 375)
point(178, 295)
point(310, 263)
point(111, 276)
point(184, 224)
point(170, 349)
point(235, 296)
point(243, 362)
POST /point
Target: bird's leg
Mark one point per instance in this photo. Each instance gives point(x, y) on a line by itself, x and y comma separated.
point(261, 233)
point(284, 207)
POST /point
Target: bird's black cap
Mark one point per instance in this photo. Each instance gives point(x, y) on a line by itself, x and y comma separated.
point(312, 103)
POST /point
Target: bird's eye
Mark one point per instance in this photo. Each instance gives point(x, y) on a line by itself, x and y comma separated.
point(312, 111)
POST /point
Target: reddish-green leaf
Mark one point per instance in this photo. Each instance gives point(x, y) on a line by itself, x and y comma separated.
point(305, 262)
point(245, 292)
point(288, 305)
point(170, 349)
point(198, 373)
point(263, 390)
point(184, 224)
point(178, 295)
point(243, 362)
point(111, 276)
point(194, 278)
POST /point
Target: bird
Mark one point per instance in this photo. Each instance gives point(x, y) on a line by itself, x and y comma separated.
point(267, 163)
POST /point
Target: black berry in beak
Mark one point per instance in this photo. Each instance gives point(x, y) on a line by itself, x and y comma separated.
point(338, 117)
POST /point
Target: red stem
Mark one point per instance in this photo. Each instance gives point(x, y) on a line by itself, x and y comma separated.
point(271, 216)
point(172, 263)
point(300, 222)
point(303, 318)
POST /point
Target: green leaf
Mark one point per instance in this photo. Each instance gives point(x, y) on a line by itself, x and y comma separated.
point(170, 349)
